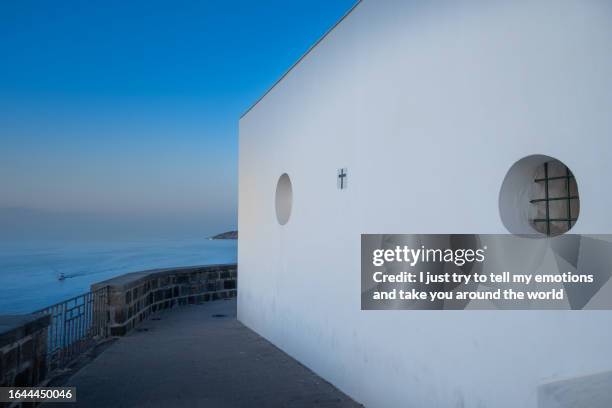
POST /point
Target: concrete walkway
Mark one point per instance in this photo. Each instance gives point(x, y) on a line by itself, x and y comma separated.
point(191, 357)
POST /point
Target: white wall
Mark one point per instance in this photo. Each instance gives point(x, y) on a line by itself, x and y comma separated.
point(428, 104)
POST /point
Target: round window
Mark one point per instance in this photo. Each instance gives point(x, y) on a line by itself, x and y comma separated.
point(284, 199)
point(539, 195)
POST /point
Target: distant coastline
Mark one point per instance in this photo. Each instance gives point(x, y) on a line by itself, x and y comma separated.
point(226, 235)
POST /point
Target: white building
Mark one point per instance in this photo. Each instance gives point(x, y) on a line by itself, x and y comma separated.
point(427, 105)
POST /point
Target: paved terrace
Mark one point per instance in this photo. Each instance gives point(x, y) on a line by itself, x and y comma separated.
point(199, 356)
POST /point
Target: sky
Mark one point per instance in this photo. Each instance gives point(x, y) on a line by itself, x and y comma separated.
point(123, 116)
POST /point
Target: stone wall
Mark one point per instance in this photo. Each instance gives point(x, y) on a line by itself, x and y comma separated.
point(134, 296)
point(127, 300)
point(23, 350)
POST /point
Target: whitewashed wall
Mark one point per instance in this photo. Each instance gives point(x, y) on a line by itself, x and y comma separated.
point(427, 104)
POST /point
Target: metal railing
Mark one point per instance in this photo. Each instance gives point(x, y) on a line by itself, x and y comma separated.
point(77, 324)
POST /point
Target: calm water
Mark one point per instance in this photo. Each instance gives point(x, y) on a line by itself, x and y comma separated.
point(29, 272)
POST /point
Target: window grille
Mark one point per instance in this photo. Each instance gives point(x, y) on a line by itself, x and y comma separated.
point(564, 219)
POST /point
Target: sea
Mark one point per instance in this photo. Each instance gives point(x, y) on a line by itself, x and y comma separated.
point(29, 272)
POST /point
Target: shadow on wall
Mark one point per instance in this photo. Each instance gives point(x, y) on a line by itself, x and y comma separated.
point(592, 391)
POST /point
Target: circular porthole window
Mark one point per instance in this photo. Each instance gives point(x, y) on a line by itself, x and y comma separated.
point(284, 199)
point(539, 196)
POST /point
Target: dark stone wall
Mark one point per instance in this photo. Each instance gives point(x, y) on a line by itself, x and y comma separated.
point(23, 350)
point(133, 297)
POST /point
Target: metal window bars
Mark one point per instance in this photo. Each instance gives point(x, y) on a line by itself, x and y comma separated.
point(568, 197)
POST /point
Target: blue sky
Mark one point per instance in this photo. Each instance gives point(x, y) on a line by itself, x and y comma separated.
point(130, 110)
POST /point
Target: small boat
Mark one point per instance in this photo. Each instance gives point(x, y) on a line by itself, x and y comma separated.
point(61, 277)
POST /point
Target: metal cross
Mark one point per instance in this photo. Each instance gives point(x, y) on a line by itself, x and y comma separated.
point(342, 175)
